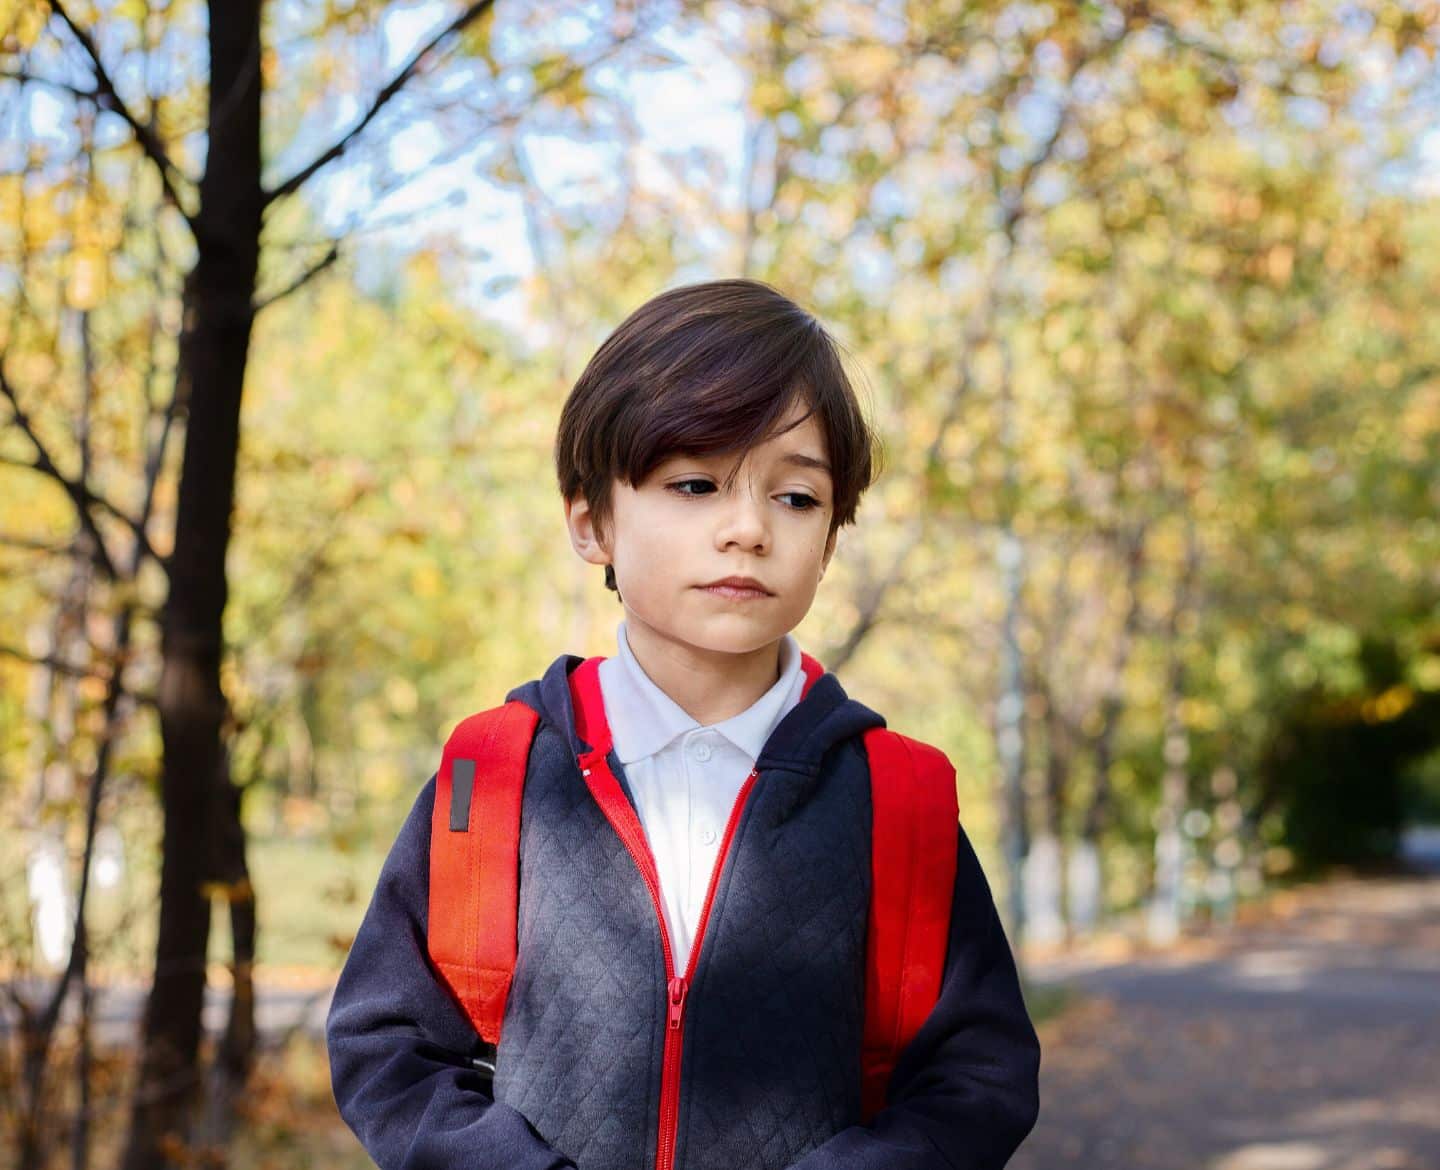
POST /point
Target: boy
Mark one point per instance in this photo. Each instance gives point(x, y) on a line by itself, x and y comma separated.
point(691, 999)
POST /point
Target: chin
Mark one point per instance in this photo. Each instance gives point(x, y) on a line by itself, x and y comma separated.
point(745, 641)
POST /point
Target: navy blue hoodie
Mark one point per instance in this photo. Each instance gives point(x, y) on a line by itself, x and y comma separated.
point(769, 1069)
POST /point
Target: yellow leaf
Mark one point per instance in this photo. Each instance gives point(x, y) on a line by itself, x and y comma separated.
point(28, 23)
point(86, 286)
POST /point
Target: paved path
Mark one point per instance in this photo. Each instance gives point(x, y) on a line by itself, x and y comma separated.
point(1308, 1040)
point(118, 1007)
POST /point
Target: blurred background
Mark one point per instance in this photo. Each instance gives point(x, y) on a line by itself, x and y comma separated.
point(1142, 299)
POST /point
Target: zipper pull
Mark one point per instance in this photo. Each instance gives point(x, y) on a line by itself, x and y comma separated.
point(678, 988)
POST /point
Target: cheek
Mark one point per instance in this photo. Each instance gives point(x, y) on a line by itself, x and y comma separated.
point(815, 547)
point(648, 546)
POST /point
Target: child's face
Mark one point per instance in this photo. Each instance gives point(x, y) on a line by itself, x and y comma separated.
point(680, 530)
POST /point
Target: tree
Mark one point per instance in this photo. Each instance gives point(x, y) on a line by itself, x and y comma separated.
point(219, 220)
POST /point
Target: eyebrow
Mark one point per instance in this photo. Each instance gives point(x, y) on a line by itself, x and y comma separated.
point(802, 460)
point(795, 458)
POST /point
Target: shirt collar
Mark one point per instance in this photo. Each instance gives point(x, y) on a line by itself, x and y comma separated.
point(643, 718)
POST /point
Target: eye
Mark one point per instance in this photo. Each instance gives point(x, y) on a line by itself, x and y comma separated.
point(678, 486)
point(807, 503)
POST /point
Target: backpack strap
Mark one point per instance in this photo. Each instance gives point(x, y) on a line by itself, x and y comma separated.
point(475, 859)
point(914, 835)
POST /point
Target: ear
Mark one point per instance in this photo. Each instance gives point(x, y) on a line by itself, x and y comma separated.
point(584, 538)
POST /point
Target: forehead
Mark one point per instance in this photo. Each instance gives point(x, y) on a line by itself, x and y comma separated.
point(802, 445)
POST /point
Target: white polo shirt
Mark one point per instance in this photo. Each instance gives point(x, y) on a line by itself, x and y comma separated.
point(685, 776)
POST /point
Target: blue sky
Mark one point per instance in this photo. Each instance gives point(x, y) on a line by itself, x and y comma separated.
point(696, 105)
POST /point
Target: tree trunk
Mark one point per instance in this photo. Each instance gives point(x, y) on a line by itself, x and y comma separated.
point(1045, 859)
point(1010, 731)
point(236, 1054)
point(1163, 923)
point(214, 346)
point(1087, 875)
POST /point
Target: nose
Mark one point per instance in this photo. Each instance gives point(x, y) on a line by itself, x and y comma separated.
point(746, 522)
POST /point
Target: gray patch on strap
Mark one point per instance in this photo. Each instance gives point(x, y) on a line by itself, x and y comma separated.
point(462, 784)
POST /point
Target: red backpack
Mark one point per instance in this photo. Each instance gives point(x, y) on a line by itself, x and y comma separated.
point(474, 867)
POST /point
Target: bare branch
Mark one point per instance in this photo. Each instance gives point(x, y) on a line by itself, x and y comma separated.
point(980, 325)
point(45, 465)
point(79, 492)
point(27, 78)
point(143, 698)
point(382, 99)
point(106, 97)
point(55, 664)
point(305, 277)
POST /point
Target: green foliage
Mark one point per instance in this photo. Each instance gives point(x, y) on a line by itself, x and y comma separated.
point(1420, 790)
point(1098, 272)
point(1336, 766)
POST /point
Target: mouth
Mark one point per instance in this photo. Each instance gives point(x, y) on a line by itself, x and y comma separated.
point(735, 591)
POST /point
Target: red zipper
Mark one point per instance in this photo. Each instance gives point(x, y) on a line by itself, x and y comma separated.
point(679, 988)
point(627, 825)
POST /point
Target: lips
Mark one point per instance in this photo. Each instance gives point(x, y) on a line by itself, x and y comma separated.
point(737, 585)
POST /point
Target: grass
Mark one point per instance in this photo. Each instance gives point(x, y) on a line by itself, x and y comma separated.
point(310, 898)
point(1045, 1002)
point(311, 894)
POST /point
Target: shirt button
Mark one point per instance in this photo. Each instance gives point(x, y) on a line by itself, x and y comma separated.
point(707, 835)
point(702, 752)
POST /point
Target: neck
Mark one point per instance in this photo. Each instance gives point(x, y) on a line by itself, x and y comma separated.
point(708, 685)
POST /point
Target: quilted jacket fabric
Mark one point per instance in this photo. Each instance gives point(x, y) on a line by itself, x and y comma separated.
point(770, 1068)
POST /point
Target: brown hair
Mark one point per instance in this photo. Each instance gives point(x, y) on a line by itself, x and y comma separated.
point(708, 369)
